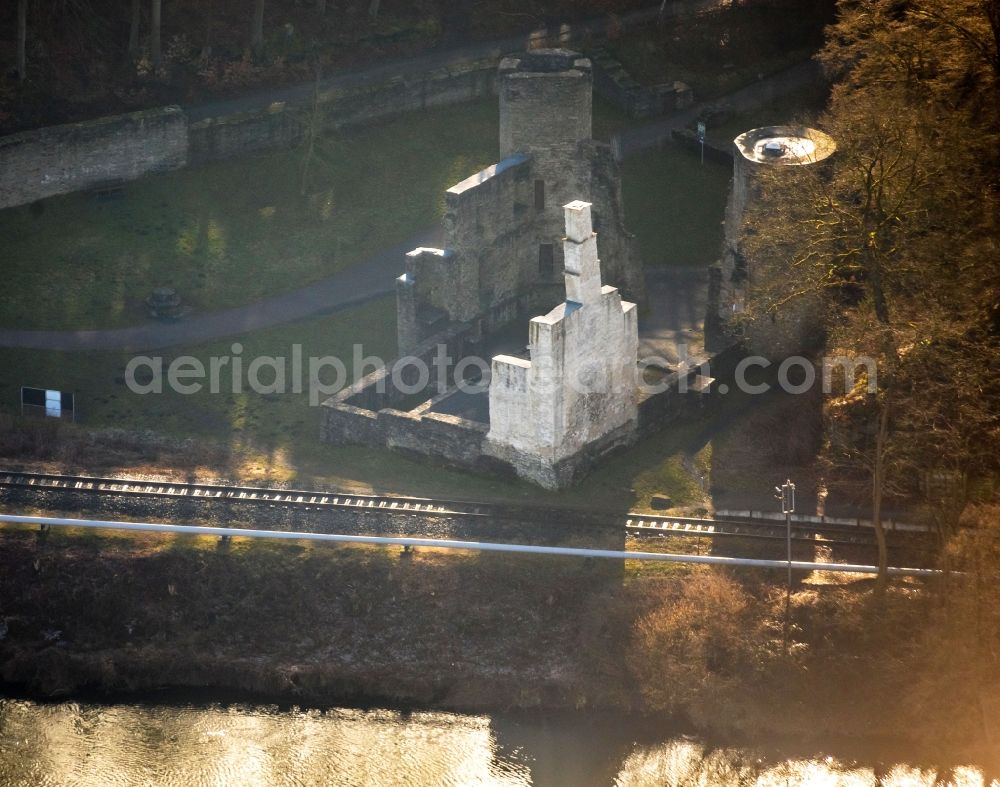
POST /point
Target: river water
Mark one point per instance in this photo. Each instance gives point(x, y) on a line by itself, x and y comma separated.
point(192, 745)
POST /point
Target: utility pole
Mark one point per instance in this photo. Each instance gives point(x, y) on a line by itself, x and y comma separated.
point(786, 494)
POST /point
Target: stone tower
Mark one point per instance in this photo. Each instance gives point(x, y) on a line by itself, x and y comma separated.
point(789, 149)
point(546, 103)
point(499, 260)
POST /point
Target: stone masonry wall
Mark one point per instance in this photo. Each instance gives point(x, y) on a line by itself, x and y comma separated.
point(484, 226)
point(368, 412)
point(282, 125)
point(75, 156)
point(546, 101)
point(243, 133)
point(578, 390)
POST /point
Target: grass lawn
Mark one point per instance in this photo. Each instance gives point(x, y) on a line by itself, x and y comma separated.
point(234, 232)
point(675, 205)
point(276, 437)
point(275, 422)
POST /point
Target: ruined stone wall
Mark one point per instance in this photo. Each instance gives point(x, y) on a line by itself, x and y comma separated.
point(243, 133)
point(373, 411)
point(481, 270)
point(455, 440)
point(614, 83)
point(617, 247)
point(75, 156)
point(564, 472)
point(501, 224)
point(283, 125)
point(484, 222)
point(63, 159)
point(579, 388)
point(546, 109)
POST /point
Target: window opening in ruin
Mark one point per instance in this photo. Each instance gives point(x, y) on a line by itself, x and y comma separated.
point(539, 195)
point(546, 260)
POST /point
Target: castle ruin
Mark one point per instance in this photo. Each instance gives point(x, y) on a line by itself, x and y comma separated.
point(499, 261)
point(577, 392)
point(785, 149)
point(551, 411)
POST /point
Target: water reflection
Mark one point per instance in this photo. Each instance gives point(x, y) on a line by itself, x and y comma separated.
point(691, 764)
point(95, 745)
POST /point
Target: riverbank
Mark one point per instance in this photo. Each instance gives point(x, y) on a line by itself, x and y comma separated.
point(330, 625)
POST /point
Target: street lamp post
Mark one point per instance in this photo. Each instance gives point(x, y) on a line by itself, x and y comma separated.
point(786, 494)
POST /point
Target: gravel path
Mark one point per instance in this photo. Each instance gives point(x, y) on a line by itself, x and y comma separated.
point(372, 278)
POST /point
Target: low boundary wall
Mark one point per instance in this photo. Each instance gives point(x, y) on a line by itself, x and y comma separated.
point(111, 150)
point(119, 148)
point(371, 412)
point(91, 154)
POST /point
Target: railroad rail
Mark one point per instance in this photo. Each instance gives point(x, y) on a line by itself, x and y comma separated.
point(637, 524)
point(240, 494)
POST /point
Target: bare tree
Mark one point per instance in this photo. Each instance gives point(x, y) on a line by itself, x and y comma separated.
point(22, 39)
point(373, 8)
point(321, 7)
point(257, 28)
point(133, 30)
point(155, 54)
point(899, 236)
point(312, 132)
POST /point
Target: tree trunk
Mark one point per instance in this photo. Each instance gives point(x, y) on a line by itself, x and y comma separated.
point(154, 35)
point(206, 46)
point(311, 134)
point(321, 7)
point(373, 7)
point(133, 31)
point(22, 39)
point(878, 478)
point(661, 14)
point(257, 28)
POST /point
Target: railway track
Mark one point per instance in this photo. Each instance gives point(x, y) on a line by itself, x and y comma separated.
point(46, 482)
point(638, 525)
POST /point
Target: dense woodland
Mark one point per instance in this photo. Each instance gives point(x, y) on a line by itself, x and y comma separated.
point(68, 59)
point(898, 239)
point(64, 60)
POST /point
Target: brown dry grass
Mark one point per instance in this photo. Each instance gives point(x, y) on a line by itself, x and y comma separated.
point(481, 631)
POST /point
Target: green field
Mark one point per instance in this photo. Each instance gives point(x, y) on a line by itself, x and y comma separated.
point(675, 206)
point(276, 436)
point(234, 232)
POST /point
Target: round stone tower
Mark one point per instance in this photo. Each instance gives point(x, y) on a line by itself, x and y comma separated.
point(546, 101)
point(757, 150)
point(774, 146)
